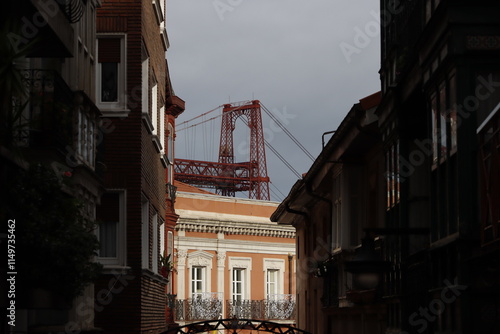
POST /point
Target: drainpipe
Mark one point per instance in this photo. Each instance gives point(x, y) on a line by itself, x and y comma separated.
point(310, 191)
point(290, 268)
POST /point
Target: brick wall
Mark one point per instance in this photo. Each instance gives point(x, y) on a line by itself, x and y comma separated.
point(132, 163)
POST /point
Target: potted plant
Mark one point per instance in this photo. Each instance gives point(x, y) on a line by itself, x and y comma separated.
point(166, 265)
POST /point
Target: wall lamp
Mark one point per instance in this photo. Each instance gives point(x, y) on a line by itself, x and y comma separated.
point(367, 266)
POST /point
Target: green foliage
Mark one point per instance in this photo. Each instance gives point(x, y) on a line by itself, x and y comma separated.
point(58, 242)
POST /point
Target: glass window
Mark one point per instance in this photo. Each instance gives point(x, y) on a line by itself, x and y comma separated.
point(156, 249)
point(111, 72)
point(85, 147)
point(443, 145)
point(197, 282)
point(453, 113)
point(238, 284)
point(145, 85)
point(161, 130)
point(111, 231)
point(272, 283)
point(170, 154)
point(154, 108)
point(145, 232)
point(435, 129)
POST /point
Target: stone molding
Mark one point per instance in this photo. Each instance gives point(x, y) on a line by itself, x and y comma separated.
point(263, 230)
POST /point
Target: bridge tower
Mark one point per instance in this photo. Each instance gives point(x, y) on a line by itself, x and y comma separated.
point(227, 176)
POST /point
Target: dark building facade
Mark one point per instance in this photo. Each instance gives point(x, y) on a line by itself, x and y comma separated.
point(135, 95)
point(437, 122)
point(49, 168)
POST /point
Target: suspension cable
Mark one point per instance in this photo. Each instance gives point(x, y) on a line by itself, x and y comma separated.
point(289, 134)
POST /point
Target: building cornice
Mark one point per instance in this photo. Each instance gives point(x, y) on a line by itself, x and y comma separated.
point(240, 228)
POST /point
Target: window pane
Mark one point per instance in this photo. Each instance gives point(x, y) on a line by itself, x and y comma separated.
point(442, 121)
point(453, 114)
point(109, 82)
point(107, 238)
point(435, 130)
point(108, 214)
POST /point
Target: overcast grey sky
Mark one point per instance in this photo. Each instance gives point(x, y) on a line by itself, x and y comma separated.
point(307, 61)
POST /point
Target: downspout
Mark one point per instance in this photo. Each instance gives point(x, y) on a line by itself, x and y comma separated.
point(295, 212)
point(310, 191)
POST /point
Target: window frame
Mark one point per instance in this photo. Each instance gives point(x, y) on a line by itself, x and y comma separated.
point(86, 138)
point(121, 103)
point(155, 253)
point(120, 258)
point(194, 278)
point(278, 266)
point(145, 232)
point(244, 263)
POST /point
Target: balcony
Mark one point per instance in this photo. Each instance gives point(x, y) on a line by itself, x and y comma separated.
point(207, 305)
point(275, 308)
point(46, 117)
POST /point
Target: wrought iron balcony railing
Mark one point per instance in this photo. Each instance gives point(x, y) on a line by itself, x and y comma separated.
point(276, 307)
point(206, 305)
point(45, 117)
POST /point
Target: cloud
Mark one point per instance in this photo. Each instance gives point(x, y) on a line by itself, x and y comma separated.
point(283, 52)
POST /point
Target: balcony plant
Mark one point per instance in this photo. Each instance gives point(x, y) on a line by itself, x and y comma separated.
point(166, 265)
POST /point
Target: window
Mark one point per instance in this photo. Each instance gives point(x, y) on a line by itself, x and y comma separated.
point(444, 126)
point(155, 258)
point(240, 268)
point(154, 108)
point(145, 82)
point(145, 232)
point(111, 72)
point(170, 251)
point(197, 282)
point(444, 123)
point(392, 174)
point(489, 164)
point(86, 138)
point(272, 283)
point(170, 154)
point(111, 231)
point(161, 130)
point(162, 238)
point(238, 282)
point(274, 271)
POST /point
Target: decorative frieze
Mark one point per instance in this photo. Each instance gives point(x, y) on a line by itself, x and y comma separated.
point(256, 229)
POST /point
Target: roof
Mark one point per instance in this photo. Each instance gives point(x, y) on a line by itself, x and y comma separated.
point(352, 118)
point(187, 188)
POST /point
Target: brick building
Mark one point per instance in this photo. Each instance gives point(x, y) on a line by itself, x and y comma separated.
point(135, 96)
point(429, 203)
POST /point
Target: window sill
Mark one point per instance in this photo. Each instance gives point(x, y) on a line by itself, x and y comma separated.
point(156, 143)
point(148, 123)
point(163, 160)
point(158, 11)
point(113, 112)
point(164, 38)
point(154, 276)
point(116, 269)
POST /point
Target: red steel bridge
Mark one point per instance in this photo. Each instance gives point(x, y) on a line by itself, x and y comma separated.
point(227, 176)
